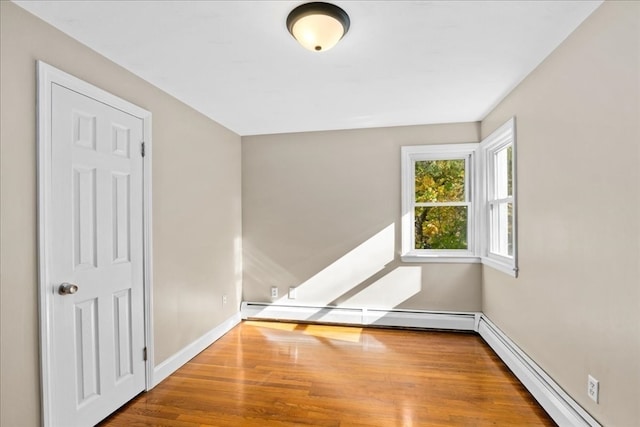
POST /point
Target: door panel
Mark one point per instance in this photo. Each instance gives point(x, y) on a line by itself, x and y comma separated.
point(87, 351)
point(97, 244)
point(122, 328)
point(84, 209)
point(121, 190)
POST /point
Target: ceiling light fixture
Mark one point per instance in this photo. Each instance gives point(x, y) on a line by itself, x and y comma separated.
point(318, 26)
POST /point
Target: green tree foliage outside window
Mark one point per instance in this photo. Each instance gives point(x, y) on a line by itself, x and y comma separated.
point(440, 219)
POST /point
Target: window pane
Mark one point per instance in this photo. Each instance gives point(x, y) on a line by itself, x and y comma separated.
point(510, 227)
point(440, 181)
point(502, 229)
point(510, 170)
point(503, 173)
point(441, 227)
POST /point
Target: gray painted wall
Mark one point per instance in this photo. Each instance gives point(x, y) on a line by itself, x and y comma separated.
point(575, 308)
point(321, 212)
point(196, 207)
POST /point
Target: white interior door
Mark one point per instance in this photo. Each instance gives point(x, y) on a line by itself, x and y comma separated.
point(96, 243)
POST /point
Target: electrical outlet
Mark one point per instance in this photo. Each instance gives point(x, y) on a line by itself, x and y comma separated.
point(224, 299)
point(593, 388)
point(292, 293)
point(274, 292)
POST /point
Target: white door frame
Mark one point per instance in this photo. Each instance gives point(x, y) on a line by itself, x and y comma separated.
point(48, 75)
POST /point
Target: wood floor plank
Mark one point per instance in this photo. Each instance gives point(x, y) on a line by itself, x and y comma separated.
point(284, 374)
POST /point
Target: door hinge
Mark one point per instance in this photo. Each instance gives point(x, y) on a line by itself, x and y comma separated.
point(142, 148)
point(144, 354)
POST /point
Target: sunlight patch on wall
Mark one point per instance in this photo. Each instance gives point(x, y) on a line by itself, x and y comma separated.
point(347, 272)
point(389, 291)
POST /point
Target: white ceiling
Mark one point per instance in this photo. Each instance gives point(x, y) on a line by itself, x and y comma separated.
point(401, 63)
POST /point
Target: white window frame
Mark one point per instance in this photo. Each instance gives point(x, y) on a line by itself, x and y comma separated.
point(411, 154)
point(501, 138)
point(480, 175)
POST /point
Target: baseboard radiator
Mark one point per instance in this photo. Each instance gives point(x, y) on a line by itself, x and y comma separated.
point(361, 316)
point(559, 405)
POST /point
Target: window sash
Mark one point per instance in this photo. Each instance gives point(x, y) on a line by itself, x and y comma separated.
point(443, 225)
point(499, 165)
point(499, 247)
point(435, 204)
point(500, 240)
point(466, 203)
point(466, 178)
point(413, 154)
point(497, 221)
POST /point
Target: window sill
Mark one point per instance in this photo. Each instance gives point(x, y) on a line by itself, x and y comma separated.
point(443, 259)
point(506, 268)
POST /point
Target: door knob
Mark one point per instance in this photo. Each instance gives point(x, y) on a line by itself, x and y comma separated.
point(67, 289)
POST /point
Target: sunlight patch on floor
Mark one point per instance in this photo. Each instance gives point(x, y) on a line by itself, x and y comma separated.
point(340, 333)
point(281, 326)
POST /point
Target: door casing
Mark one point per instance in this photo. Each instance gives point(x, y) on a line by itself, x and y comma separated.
point(48, 75)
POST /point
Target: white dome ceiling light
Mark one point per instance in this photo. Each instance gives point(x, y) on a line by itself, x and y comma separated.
point(318, 26)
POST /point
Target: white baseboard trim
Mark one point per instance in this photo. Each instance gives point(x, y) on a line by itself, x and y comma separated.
point(461, 321)
point(173, 363)
point(559, 405)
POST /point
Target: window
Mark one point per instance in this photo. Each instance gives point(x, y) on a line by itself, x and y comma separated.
point(499, 211)
point(459, 202)
point(439, 217)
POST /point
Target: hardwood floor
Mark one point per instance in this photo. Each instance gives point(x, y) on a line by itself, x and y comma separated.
point(284, 374)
